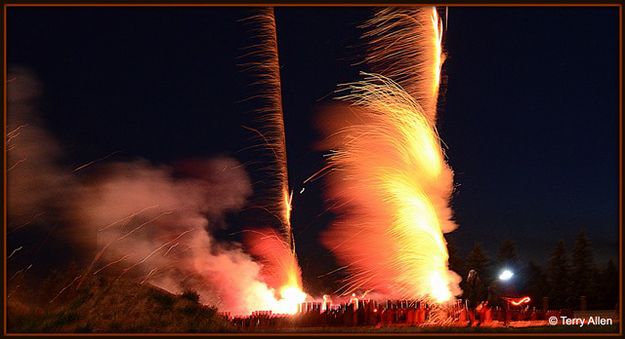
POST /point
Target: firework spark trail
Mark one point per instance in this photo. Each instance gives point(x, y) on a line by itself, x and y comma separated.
point(21, 272)
point(392, 185)
point(148, 275)
point(63, 289)
point(94, 161)
point(405, 44)
point(34, 217)
point(165, 244)
point(110, 264)
point(266, 69)
point(103, 250)
point(128, 217)
point(14, 251)
point(276, 251)
point(14, 133)
point(15, 164)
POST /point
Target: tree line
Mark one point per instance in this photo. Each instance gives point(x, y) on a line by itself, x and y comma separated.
point(563, 280)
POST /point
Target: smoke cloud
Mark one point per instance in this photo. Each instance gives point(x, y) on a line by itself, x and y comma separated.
point(34, 176)
point(136, 219)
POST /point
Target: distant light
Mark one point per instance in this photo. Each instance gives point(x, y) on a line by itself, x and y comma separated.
point(506, 275)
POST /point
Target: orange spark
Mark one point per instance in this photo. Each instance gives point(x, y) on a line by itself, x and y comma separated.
point(405, 44)
point(392, 186)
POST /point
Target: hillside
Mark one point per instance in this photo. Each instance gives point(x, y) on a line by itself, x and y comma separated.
point(106, 305)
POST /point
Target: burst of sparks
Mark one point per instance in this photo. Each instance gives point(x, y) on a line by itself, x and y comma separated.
point(269, 112)
point(405, 44)
point(393, 185)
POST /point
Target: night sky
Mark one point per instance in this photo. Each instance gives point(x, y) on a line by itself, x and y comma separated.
point(529, 111)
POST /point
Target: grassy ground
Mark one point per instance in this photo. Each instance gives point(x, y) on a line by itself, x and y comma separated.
point(104, 306)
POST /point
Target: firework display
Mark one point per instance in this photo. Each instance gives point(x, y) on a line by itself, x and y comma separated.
point(390, 180)
point(150, 220)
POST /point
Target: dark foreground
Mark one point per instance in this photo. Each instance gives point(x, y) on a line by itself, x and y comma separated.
point(119, 306)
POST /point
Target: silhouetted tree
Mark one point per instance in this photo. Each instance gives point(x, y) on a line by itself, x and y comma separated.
point(456, 263)
point(507, 254)
point(558, 274)
point(608, 286)
point(582, 269)
point(535, 283)
point(477, 260)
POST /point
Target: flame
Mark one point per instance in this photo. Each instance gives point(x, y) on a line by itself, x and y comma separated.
point(291, 297)
point(280, 270)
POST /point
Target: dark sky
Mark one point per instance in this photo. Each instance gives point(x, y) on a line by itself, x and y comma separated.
point(530, 113)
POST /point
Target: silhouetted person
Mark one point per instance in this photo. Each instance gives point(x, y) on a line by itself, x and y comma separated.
point(473, 295)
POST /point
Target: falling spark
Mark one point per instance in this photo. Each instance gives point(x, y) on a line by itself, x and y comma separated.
point(405, 44)
point(14, 251)
point(15, 164)
point(148, 275)
point(167, 243)
point(63, 289)
point(94, 161)
point(21, 272)
point(392, 185)
point(14, 133)
point(110, 264)
point(103, 250)
point(128, 217)
point(28, 222)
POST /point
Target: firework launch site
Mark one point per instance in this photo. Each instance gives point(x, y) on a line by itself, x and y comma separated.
point(172, 206)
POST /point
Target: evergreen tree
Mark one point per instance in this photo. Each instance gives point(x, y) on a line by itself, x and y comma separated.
point(536, 283)
point(477, 260)
point(558, 278)
point(456, 263)
point(507, 255)
point(582, 269)
point(608, 285)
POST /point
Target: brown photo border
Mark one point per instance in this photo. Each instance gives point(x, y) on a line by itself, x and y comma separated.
point(9, 4)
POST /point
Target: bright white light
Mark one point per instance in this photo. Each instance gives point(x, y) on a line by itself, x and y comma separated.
point(506, 275)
